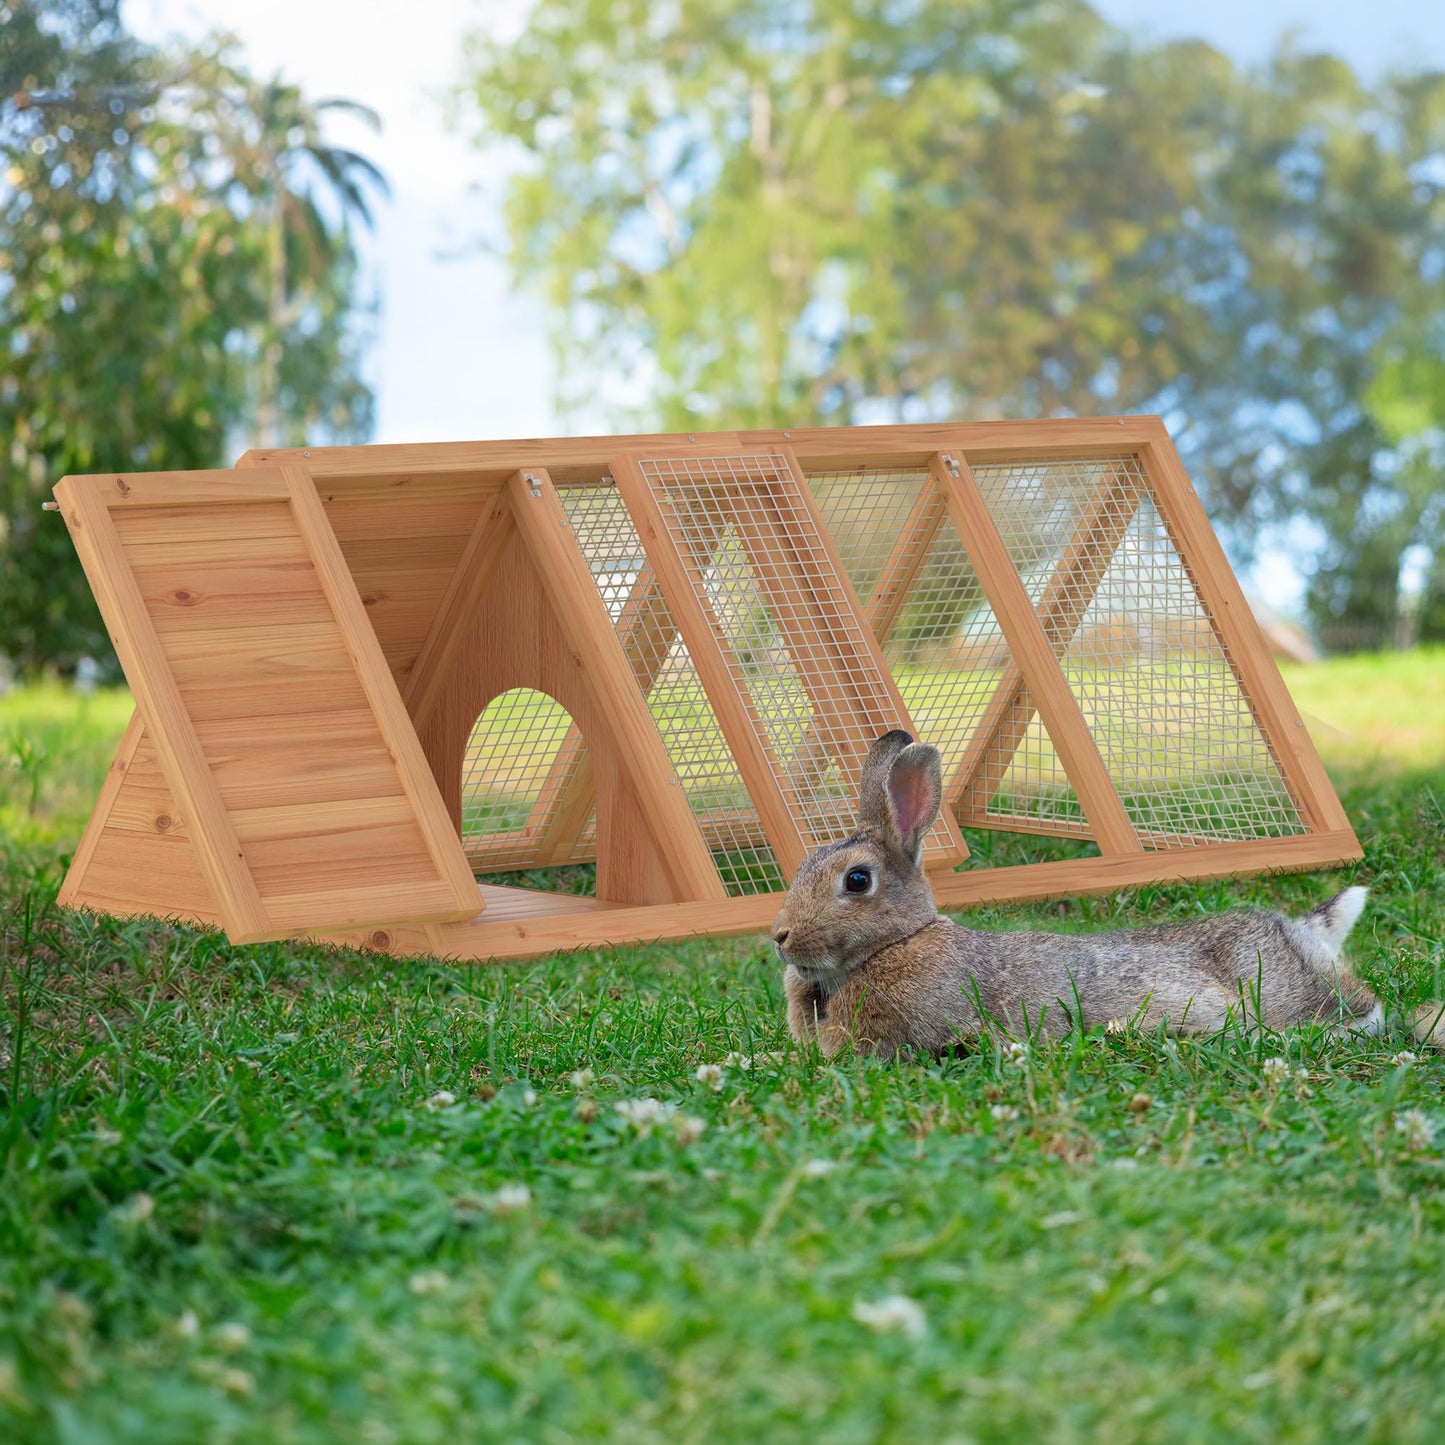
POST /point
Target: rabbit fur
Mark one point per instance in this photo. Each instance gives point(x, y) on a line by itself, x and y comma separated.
point(871, 962)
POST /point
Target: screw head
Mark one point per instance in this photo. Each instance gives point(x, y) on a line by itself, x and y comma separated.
point(305, 454)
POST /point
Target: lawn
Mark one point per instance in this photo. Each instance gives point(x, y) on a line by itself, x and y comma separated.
point(276, 1194)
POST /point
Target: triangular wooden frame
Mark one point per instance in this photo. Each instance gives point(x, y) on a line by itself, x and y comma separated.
point(311, 636)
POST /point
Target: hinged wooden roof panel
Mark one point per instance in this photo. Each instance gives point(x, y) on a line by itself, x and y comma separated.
point(270, 706)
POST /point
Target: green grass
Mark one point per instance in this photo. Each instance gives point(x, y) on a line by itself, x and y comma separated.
point(228, 1212)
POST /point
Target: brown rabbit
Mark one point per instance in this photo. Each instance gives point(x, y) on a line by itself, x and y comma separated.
point(871, 962)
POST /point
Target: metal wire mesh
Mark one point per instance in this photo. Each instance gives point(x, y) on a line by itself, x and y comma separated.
point(514, 774)
point(792, 645)
point(664, 671)
point(920, 595)
point(1155, 684)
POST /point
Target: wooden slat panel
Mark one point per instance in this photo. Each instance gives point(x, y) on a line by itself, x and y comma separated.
point(275, 650)
point(183, 599)
point(84, 503)
point(425, 509)
point(328, 756)
point(339, 860)
point(316, 811)
point(432, 817)
point(1049, 688)
point(377, 559)
point(225, 532)
point(332, 690)
point(398, 903)
point(110, 790)
point(147, 876)
point(491, 530)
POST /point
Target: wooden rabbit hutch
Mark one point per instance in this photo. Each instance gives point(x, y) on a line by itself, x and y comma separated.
point(366, 675)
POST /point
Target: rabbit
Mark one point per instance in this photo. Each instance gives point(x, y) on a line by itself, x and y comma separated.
point(871, 962)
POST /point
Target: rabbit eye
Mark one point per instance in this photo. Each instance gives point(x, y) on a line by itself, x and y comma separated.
point(857, 880)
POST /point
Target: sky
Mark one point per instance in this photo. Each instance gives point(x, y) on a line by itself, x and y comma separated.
point(458, 355)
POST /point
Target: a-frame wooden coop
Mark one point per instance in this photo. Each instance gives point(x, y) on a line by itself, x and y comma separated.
point(366, 675)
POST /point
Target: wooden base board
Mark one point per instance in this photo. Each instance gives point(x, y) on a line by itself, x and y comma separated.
point(523, 923)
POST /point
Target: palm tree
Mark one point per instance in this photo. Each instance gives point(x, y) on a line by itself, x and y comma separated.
point(303, 194)
point(309, 193)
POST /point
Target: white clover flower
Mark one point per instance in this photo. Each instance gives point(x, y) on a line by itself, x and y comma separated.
point(892, 1312)
point(427, 1281)
point(818, 1168)
point(1402, 1058)
point(137, 1209)
point(687, 1128)
point(1016, 1053)
point(236, 1382)
point(529, 1098)
point(738, 1061)
point(231, 1336)
point(442, 1099)
point(510, 1199)
point(644, 1114)
point(711, 1075)
point(1416, 1128)
point(1004, 1112)
point(1275, 1071)
point(1116, 1026)
point(581, 1078)
point(188, 1324)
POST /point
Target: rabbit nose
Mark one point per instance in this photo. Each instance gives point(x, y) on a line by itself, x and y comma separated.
point(780, 936)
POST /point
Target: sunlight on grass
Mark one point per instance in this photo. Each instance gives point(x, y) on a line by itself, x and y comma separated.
point(1386, 707)
point(278, 1193)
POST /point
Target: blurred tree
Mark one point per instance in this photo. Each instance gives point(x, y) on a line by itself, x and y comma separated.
point(272, 136)
point(1335, 197)
point(769, 211)
point(138, 292)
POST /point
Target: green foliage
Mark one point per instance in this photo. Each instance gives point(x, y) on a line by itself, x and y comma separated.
point(176, 262)
point(829, 210)
point(235, 1203)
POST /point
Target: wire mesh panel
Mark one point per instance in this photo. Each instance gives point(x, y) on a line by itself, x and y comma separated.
point(920, 595)
point(510, 782)
point(1156, 686)
point(787, 629)
point(665, 672)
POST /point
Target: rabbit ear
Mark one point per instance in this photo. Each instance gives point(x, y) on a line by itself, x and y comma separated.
point(915, 794)
point(874, 809)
